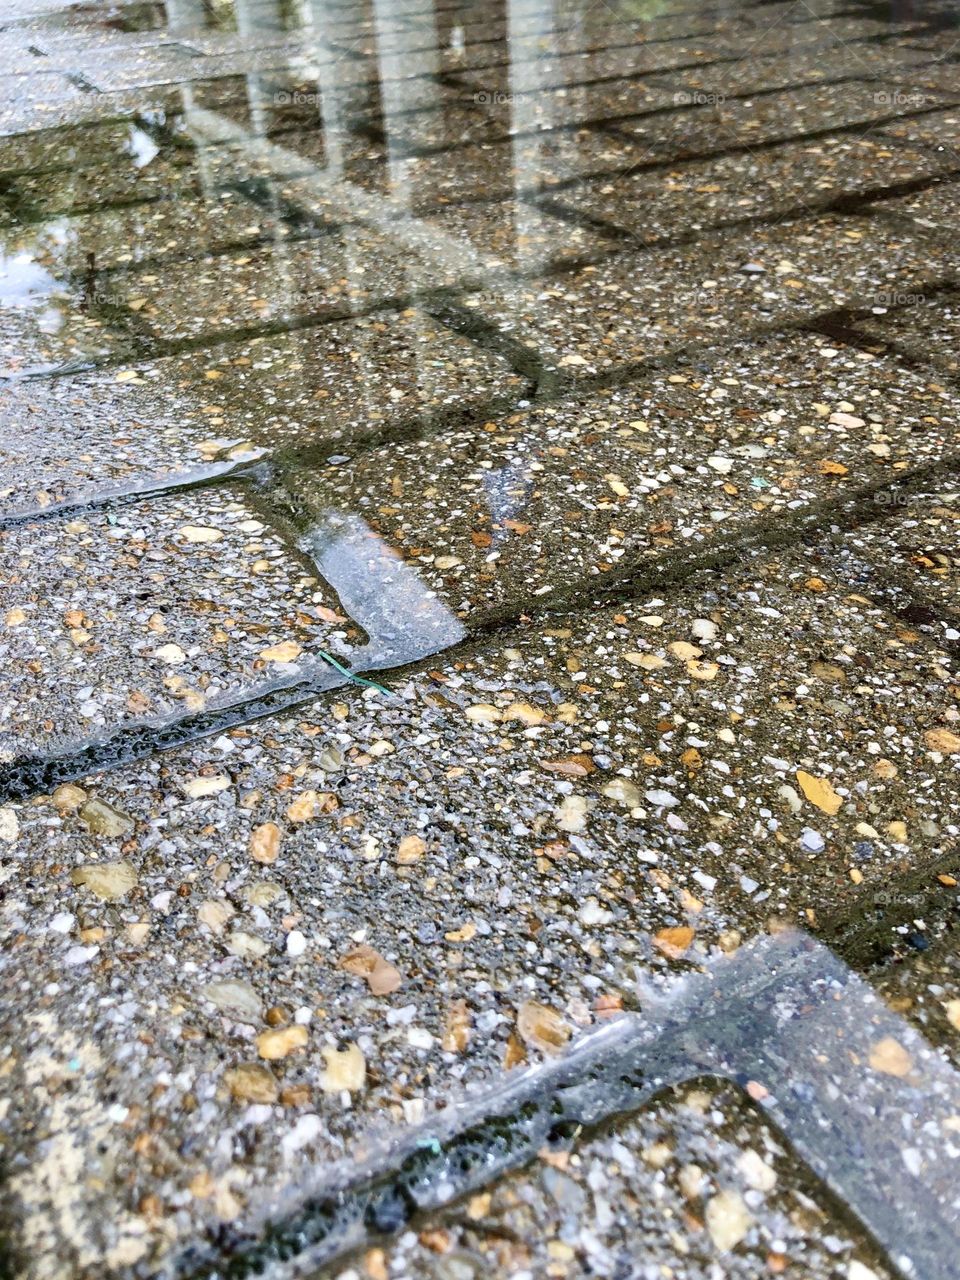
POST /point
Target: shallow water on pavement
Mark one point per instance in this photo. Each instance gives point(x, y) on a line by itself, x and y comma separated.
point(570, 391)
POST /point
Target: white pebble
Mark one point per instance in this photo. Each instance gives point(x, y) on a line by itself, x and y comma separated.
point(9, 825)
point(662, 798)
point(304, 1131)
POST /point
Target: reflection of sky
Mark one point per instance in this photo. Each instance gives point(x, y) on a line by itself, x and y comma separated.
point(141, 147)
point(404, 620)
point(23, 281)
point(26, 284)
point(507, 490)
point(30, 258)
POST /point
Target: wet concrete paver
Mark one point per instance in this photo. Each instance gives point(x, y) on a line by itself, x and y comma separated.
point(641, 305)
point(168, 605)
point(790, 179)
point(757, 121)
point(932, 208)
point(477, 575)
point(785, 425)
point(920, 323)
point(149, 232)
point(329, 278)
point(914, 554)
point(620, 797)
point(174, 420)
point(938, 129)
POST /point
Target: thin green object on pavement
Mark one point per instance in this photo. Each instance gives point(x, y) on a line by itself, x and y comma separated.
point(351, 675)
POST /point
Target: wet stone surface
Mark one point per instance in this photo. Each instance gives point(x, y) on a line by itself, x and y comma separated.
point(827, 61)
point(519, 236)
point(116, 151)
point(152, 612)
point(792, 178)
point(552, 108)
point(478, 574)
point(753, 122)
point(923, 324)
point(67, 151)
point(642, 305)
point(329, 277)
point(167, 421)
point(668, 1189)
point(598, 802)
point(924, 987)
point(180, 230)
point(497, 170)
point(74, 440)
point(929, 208)
point(538, 500)
point(914, 551)
point(937, 129)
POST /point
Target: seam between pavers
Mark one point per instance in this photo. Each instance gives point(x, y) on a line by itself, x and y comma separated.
point(739, 1020)
point(900, 599)
point(611, 123)
point(259, 464)
point(931, 232)
point(846, 203)
point(769, 144)
point(844, 324)
point(415, 427)
point(115, 497)
point(389, 215)
point(861, 941)
point(561, 385)
point(139, 348)
point(637, 575)
point(935, 234)
point(545, 386)
point(608, 124)
point(454, 78)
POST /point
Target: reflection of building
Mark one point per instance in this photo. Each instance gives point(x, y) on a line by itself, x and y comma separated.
point(328, 101)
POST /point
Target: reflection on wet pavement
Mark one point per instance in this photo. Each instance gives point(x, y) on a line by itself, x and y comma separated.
point(250, 628)
point(588, 372)
point(404, 620)
point(784, 1020)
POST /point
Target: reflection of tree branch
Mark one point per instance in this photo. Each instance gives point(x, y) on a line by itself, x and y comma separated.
point(89, 281)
